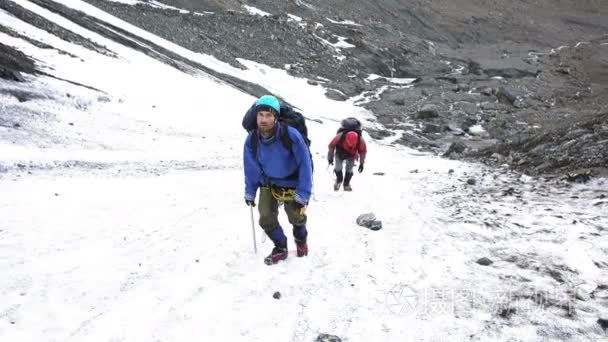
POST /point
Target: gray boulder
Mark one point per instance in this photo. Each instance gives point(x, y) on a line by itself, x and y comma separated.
point(369, 221)
point(455, 147)
point(328, 338)
point(428, 111)
point(335, 95)
point(505, 96)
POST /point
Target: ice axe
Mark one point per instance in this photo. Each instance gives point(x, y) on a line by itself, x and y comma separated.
point(255, 246)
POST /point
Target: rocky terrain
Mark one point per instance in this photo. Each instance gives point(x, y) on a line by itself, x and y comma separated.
point(514, 83)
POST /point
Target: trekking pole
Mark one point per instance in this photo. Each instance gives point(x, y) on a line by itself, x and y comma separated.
point(255, 247)
point(313, 189)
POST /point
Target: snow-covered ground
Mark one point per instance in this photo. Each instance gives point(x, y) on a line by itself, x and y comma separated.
point(122, 219)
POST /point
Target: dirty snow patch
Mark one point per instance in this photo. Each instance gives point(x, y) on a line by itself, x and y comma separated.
point(477, 130)
point(127, 2)
point(154, 4)
point(256, 11)
point(395, 80)
point(343, 22)
point(294, 17)
point(342, 43)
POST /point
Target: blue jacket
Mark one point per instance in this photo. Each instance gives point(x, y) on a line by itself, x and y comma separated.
point(276, 165)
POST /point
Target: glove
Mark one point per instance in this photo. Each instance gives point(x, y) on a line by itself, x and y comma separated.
point(300, 208)
point(360, 168)
point(250, 203)
point(330, 161)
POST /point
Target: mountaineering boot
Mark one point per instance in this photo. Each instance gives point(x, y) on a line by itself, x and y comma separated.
point(277, 254)
point(338, 182)
point(299, 234)
point(301, 248)
point(347, 179)
point(337, 186)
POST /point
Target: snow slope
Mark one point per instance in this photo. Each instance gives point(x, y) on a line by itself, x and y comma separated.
point(124, 220)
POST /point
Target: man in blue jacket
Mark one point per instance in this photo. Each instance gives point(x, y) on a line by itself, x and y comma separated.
point(281, 173)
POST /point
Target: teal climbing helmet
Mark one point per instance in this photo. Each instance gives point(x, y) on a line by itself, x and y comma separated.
point(268, 102)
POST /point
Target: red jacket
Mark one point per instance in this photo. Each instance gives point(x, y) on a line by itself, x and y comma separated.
point(334, 148)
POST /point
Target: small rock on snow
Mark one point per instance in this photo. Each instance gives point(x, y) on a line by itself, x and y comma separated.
point(485, 261)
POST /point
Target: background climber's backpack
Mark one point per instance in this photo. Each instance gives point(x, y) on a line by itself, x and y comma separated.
point(349, 125)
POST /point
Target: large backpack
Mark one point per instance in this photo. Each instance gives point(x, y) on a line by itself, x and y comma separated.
point(348, 125)
point(287, 117)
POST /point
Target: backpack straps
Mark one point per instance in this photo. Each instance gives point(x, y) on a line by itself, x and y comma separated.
point(341, 140)
point(287, 143)
point(285, 138)
point(254, 150)
point(254, 142)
